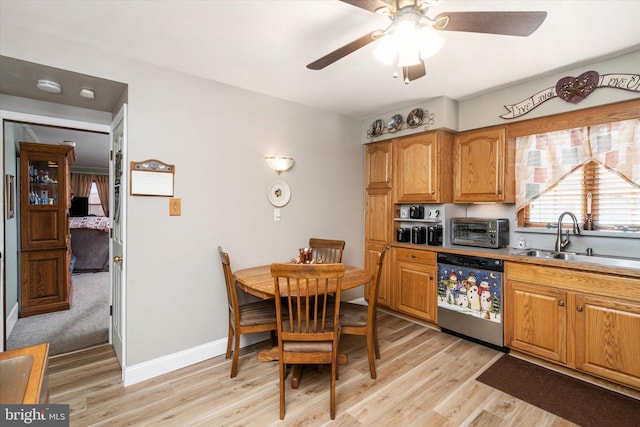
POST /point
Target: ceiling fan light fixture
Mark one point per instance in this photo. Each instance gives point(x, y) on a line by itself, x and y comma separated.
point(429, 42)
point(408, 55)
point(385, 51)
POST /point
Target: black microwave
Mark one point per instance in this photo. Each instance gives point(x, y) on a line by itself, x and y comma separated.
point(481, 232)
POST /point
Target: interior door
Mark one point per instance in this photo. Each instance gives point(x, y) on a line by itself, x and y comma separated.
point(117, 214)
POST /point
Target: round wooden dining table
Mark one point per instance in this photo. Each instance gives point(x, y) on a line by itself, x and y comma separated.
point(258, 281)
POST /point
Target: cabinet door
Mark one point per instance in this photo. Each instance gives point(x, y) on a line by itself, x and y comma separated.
point(479, 159)
point(415, 290)
point(379, 165)
point(536, 320)
point(608, 338)
point(416, 169)
point(44, 276)
point(378, 210)
point(371, 264)
point(43, 198)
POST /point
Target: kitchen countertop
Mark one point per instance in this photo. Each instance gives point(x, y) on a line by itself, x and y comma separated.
point(596, 264)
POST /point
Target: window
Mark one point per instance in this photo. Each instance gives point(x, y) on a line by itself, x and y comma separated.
point(615, 202)
point(95, 207)
point(590, 169)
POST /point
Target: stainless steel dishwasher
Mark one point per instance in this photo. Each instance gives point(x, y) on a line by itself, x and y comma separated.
point(470, 297)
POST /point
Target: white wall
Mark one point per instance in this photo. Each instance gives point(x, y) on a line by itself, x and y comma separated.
point(217, 137)
point(485, 110)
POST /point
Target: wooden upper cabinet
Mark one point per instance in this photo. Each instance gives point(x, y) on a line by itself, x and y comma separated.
point(422, 167)
point(379, 165)
point(484, 166)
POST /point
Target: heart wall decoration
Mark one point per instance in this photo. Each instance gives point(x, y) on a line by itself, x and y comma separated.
point(574, 89)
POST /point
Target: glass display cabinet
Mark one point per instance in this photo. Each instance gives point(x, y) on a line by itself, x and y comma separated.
point(45, 245)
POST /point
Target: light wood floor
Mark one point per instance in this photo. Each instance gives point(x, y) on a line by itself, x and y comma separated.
point(425, 378)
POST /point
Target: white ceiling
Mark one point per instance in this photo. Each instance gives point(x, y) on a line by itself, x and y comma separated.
point(265, 45)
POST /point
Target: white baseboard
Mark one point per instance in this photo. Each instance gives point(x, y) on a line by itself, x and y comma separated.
point(12, 318)
point(171, 362)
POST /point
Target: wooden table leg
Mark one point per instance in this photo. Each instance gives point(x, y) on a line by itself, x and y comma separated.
point(268, 355)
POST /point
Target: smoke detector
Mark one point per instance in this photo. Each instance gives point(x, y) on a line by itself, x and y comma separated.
point(49, 86)
point(87, 93)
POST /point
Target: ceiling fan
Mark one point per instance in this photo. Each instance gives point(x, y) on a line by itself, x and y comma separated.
point(412, 35)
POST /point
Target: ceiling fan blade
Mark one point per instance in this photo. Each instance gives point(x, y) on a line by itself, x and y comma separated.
point(345, 50)
point(413, 72)
point(506, 23)
point(370, 5)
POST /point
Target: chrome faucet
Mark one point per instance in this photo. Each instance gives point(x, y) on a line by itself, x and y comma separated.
point(560, 242)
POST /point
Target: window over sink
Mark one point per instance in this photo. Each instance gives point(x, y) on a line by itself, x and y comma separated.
point(589, 170)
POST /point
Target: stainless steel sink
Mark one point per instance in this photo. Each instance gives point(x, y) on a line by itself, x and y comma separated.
point(604, 260)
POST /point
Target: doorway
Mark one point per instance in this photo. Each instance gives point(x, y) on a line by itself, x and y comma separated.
point(86, 323)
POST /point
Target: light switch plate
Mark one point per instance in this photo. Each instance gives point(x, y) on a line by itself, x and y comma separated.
point(175, 207)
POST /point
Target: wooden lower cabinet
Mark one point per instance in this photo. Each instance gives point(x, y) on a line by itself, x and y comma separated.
point(45, 281)
point(537, 320)
point(371, 264)
point(582, 320)
point(608, 338)
point(415, 289)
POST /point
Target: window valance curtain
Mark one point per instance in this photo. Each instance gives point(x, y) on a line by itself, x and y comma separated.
point(81, 187)
point(542, 160)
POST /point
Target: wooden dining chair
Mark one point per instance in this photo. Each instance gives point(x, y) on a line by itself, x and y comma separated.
point(328, 251)
point(308, 328)
point(259, 316)
point(358, 319)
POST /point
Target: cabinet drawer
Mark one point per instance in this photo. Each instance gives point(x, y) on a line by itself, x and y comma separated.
point(416, 255)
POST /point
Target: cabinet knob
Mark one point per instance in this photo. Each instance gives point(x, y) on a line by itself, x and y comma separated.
point(117, 259)
point(433, 191)
point(388, 179)
point(579, 308)
point(413, 255)
point(561, 303)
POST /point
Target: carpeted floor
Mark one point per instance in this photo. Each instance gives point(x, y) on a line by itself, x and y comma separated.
point(86, 324)
point(580, 402)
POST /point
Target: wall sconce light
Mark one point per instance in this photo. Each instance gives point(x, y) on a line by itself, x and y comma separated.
point(279, 163)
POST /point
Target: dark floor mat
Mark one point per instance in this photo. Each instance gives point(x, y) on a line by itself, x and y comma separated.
point(567, 397)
